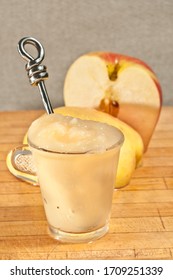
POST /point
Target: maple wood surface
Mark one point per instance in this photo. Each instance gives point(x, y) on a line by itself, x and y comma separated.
point(141, 225)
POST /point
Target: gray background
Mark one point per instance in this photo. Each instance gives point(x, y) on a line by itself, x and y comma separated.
point(69, 28)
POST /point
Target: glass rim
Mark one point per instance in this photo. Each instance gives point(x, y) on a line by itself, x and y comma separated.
point(118, 143)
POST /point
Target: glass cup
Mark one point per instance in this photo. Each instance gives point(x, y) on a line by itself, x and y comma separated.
point(76, 188)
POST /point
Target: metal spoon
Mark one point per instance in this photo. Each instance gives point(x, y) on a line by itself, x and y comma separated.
point(22, 165)
point(37, 73)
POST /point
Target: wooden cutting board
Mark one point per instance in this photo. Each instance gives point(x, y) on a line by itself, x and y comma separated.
point(141, 225)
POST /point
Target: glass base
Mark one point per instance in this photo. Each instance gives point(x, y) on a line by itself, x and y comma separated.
point(87, 237)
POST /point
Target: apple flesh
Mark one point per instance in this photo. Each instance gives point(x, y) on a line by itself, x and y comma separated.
point(119, 85)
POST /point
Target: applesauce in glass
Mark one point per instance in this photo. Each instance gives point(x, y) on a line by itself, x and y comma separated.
point(76, 163)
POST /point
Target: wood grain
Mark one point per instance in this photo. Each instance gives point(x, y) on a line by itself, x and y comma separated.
point(141, 225)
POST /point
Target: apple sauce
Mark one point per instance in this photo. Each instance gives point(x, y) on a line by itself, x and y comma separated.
point(76, 162)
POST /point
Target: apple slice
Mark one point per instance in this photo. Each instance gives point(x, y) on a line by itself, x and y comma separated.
point(119, 85)
point(131, 153)
point(132, 149)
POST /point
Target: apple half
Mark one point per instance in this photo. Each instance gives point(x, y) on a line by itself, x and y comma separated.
point(119, 85)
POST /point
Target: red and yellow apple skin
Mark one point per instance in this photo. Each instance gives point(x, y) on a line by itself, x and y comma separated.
point(120, 85)
point(124, 59)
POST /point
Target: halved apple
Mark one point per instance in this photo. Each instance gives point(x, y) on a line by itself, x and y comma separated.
point(122, 86)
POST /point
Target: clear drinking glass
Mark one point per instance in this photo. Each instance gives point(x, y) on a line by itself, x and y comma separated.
point(77, 190)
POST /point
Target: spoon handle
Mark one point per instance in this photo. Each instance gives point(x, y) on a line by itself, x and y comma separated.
point(37, 73)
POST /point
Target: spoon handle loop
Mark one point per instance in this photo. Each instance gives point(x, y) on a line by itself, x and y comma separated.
point(36, 73)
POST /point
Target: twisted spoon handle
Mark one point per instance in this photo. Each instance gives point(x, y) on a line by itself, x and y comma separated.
point(37, 73)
